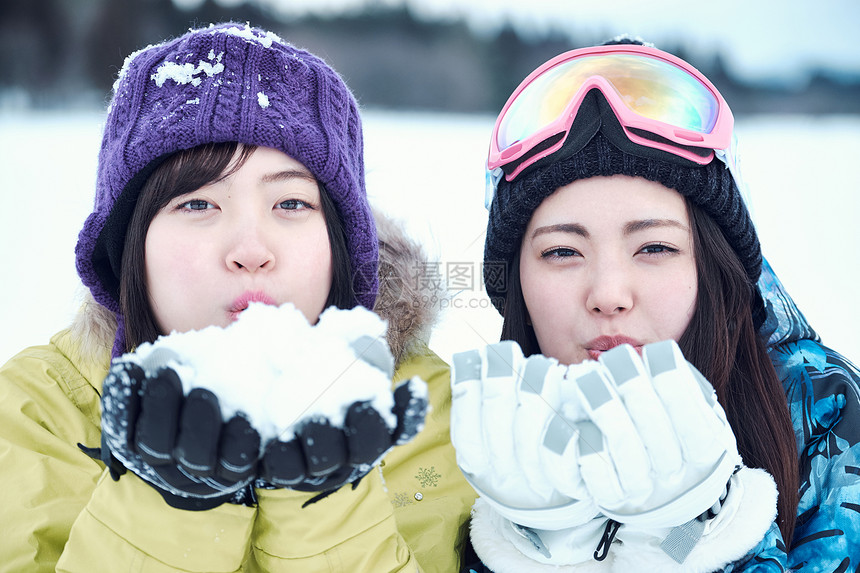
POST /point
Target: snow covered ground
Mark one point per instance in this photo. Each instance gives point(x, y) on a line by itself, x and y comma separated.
point(427, 170)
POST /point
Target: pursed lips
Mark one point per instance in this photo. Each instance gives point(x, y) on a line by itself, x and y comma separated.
point(601, 344)
point(246, 298)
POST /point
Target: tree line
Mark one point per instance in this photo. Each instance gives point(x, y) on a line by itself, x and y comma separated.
point(57, 53)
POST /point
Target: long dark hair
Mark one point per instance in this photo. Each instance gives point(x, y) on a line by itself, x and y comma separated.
point(184, 172)
point(723, 343)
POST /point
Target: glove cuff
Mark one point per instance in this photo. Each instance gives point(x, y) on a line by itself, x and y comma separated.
point(744, 519)
point(693, 503)
point(506, 547)
point(564, 516)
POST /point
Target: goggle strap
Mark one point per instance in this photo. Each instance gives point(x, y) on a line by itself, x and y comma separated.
point(731, 158)
point(491, 183)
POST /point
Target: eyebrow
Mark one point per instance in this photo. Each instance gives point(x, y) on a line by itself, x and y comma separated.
point(572, 228)
point(286, 175)
point(636, 226)
point(629, 228)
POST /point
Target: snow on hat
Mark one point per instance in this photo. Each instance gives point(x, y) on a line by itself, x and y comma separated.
point(711, 187)
point(225, 83)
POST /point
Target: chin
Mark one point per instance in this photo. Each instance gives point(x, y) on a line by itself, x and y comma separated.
point(572, 358)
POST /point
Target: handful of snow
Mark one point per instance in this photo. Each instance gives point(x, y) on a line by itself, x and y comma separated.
point(279, 370)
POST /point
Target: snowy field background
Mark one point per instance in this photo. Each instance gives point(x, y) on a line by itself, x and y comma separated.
point(427, 171)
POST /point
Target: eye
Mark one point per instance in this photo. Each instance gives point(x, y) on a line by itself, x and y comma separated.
point(294, 205)
point(559, 253)
point(658, 249)
point(195, 205)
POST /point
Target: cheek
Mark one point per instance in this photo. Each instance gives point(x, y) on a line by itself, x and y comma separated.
point(533, 288)
point(673, 304)
point(180, 277)
point(539, 296)
point(320, 271)
point(310, 273)
point(543, 294)
point(313, 253)
point(173, 261)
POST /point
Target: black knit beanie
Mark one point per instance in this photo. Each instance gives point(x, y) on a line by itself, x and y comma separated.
point(711, 187)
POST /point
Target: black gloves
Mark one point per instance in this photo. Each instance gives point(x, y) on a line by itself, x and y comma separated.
point(180, 445)
point(177, 443)
point(323, 457)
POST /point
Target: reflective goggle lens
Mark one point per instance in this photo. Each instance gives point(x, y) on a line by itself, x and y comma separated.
point(652, 88)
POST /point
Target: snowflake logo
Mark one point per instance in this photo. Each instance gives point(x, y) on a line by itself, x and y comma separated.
point(401, 499)
point(428, 477)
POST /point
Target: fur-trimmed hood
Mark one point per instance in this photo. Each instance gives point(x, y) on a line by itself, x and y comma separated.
point(405, 301)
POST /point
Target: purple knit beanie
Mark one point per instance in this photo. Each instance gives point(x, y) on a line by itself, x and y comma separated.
point(225, 83)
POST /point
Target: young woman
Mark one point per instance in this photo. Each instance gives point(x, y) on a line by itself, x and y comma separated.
point(231, 171)
point(660, 404)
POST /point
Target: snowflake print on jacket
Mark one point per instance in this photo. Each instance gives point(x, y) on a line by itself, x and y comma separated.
point(428, 477)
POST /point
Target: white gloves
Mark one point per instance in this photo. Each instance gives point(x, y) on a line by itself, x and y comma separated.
point(513, 443)
point(639, 440)
point(659, 450)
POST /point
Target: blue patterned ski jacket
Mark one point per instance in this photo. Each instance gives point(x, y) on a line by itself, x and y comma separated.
point(823, 392)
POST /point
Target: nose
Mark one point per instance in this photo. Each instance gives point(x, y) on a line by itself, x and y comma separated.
point(249, 251)
point(610, 290)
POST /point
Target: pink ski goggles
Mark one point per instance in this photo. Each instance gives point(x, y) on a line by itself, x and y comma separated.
point(659, 100)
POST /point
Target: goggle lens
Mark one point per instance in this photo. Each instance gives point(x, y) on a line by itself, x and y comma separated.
point(649, 87)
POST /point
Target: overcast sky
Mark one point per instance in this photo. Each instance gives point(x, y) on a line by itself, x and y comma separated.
point(760, 39)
